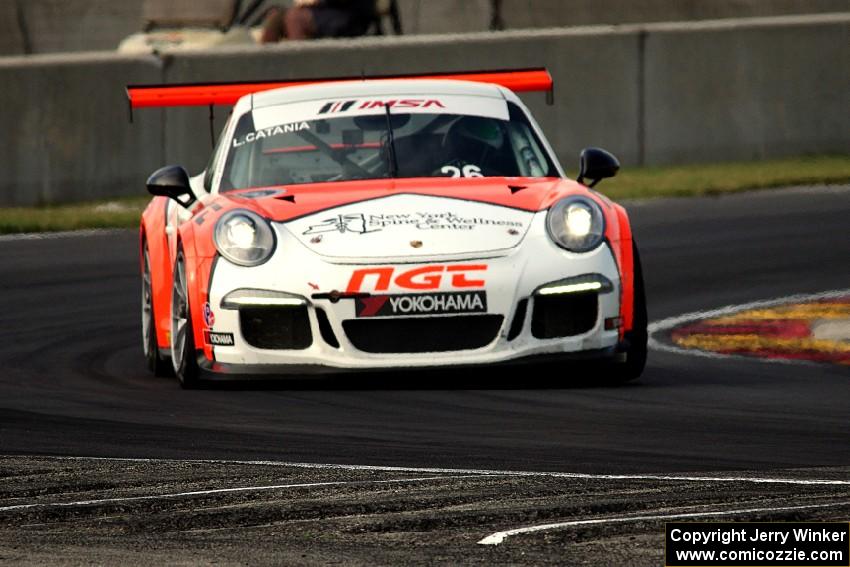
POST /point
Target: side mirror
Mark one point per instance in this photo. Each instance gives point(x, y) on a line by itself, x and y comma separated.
point(172, 181)
point(597, 164)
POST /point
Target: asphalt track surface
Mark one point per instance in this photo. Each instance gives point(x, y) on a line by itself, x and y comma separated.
point(73, 382)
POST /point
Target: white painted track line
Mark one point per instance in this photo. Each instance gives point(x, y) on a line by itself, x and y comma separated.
point(475, 472)
point(221, 491)
point(499, 537)
point(61, 235)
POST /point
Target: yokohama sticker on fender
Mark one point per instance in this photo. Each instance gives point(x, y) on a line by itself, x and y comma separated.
point(218, 339)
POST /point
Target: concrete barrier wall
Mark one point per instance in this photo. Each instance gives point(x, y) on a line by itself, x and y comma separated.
point(653, 94)
point(721, 91)
point(443, 16)
point(56, 26)
point(52, 26)
point(66, 131)
point(11, 38)
point(79, 25)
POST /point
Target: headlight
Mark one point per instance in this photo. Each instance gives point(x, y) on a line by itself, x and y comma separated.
point(244, 238)
point(576, 223)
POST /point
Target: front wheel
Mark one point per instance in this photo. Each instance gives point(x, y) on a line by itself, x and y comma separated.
point(157, 364)
point(183, 355)
point(635, 356)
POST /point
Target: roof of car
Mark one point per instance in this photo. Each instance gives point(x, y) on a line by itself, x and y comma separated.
point(370, 88)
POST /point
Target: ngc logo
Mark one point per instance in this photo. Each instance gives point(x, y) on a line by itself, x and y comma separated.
point(427, 278)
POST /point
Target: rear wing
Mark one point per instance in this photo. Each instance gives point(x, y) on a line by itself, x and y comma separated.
point(211, 94)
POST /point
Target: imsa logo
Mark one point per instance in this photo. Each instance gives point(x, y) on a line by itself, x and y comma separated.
point(422, 304)
point(345, 105)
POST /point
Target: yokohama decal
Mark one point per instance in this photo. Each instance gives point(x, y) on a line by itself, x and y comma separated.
point(422, 304)
point(218, 339)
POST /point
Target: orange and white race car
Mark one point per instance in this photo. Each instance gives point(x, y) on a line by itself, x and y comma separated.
point(388, 223)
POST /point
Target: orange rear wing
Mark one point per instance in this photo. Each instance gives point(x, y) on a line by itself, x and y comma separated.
point(210, 94)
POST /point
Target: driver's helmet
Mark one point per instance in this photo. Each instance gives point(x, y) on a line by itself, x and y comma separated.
point(476, 129)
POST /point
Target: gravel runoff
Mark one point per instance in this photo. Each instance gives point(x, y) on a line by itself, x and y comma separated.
point(59, 511)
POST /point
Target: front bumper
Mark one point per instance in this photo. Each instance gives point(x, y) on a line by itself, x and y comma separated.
point(215, 371)
point(512, 278)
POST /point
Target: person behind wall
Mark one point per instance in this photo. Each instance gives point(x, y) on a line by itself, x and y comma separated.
point(313, 19)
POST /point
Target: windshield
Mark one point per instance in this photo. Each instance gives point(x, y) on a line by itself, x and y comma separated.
point(384, 145)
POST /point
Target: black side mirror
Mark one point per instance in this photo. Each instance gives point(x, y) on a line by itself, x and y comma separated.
point(597, 164)
point(172, 181)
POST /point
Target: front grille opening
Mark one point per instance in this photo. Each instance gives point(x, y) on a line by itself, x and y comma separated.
point(283, 328)
point(423, 334)
point(519, 320)
point(566, 315)
point(325, 328)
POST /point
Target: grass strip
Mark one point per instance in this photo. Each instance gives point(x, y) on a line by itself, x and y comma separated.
point(631, 183)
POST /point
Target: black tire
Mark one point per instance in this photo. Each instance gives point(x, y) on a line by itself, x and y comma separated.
point(158, 364)
point(635, 356)
point(183, 357)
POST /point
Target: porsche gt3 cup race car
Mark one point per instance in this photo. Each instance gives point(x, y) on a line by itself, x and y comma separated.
point(388, 223)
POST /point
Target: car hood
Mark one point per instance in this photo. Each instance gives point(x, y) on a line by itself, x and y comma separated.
point(411, 225)
point(408, 218)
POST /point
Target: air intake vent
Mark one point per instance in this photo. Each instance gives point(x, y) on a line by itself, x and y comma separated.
point(519, 320)
point(423, 334)
point(565, 315)
point(325, 328)
point(280, 328)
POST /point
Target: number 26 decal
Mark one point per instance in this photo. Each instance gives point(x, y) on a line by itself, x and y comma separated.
point(467, 171)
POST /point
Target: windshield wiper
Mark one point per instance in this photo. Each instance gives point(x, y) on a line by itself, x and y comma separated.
point(393, 160)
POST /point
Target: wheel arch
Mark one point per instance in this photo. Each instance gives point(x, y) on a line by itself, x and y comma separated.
point(198, 273)
point(152, 234)
point(624, 255)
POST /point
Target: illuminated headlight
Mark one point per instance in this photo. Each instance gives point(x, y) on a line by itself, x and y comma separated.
point(261, 298)
point(576, 223)
point(244, 238)
point(579, 284)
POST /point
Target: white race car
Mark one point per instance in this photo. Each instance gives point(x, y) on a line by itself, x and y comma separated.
point(392, 223)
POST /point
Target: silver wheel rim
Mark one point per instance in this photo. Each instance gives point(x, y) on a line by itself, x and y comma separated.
point(179, 323)
point(147, 305)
